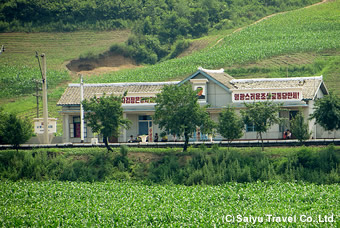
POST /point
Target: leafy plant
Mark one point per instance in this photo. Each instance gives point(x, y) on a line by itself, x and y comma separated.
point(327, 112)
point(230, 126)
point(262, 115)
point(14, 130)
point(178, 112)
point(300, 128)
point(105, 116)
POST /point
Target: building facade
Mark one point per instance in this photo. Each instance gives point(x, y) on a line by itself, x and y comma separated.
point(214, 87)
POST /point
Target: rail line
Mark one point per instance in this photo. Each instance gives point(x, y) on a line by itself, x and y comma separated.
point(241, 143)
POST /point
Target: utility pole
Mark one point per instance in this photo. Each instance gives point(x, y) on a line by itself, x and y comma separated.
point(37, 82)
point(44, 89)
point(81, 109)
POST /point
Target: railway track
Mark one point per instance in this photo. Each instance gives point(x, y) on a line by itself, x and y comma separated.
point(241, 143)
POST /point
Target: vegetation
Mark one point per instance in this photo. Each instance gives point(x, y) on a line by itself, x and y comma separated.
point(17, 81)
point(261, 116)
point(230, 125)
point(159, 27)
point(134, 204)
point(299, 127)
point(327, 112)
point(278, 35)
point(105, 116)
point(14, 130)
point(212, 166)
point(178, 112)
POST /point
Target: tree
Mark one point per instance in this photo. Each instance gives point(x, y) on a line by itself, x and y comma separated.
point(327, 112)
point(261, 115)
point(230, 125)
point(105, 116)
point(178, 112)
point(299, 127)
point(14, 130)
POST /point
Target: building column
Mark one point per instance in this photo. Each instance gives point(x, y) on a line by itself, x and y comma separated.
point(124, 130)
point(311, 123)
point(66, 130)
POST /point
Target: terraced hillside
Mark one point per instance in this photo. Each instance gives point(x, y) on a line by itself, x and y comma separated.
point(314, 29)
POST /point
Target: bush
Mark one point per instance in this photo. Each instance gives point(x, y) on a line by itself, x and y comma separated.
point(313, 165)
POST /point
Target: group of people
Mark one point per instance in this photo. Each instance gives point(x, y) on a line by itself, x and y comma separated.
point(139, 139)
point(287, 134)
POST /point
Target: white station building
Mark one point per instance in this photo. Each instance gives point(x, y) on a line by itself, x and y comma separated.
point(219, 91)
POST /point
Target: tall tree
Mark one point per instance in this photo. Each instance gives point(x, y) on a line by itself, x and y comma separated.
point(262, 115)
point(105, 116)
point(230, 125)
point(14, 130)
point(299, 127)
point(327, 112)
point(179, 113)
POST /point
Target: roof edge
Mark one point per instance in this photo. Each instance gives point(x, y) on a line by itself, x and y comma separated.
point(123, 84)
point(207, 76)
point(275, 79)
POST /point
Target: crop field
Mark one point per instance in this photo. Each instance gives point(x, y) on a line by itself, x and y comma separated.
point(58, 47)
point(128, 204)
point(312, 29)
point(18, 64)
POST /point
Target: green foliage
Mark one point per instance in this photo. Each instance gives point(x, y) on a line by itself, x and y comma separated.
point(230, 125)
point(178, 112)
point(14, 130)
point(135, 204)
point(327, 112)
point(262, 115)
point(165, 22)
point(223, 166)
point(53, 165)
point(15, 81)
point(105, 116)
point(299, 127)
point(178, 48)
point(201, 166)
point(274, 36)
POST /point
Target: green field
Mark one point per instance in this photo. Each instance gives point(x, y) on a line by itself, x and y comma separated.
point(134, 204)
point(312, 29)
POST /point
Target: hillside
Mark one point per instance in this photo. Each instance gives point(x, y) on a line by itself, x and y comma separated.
point(306, 42)
point(315, 29)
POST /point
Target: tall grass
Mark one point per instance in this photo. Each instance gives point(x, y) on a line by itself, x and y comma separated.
point(199, 166)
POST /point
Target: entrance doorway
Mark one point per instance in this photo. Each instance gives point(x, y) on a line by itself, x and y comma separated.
point(145, 126)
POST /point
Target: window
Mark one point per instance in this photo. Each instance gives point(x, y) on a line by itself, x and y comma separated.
point(250, 128)
point(75, 128)
point(292, 114)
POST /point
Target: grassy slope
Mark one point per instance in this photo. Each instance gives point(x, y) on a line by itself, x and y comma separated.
point(307, 38)
point(59, 49)
point(314, 29)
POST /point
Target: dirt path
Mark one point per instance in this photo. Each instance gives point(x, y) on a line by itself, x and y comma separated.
point(266, 17)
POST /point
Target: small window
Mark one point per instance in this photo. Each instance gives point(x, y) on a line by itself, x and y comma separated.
point(250, 127)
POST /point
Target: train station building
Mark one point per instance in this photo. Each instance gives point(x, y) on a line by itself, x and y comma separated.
point(215, 87)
